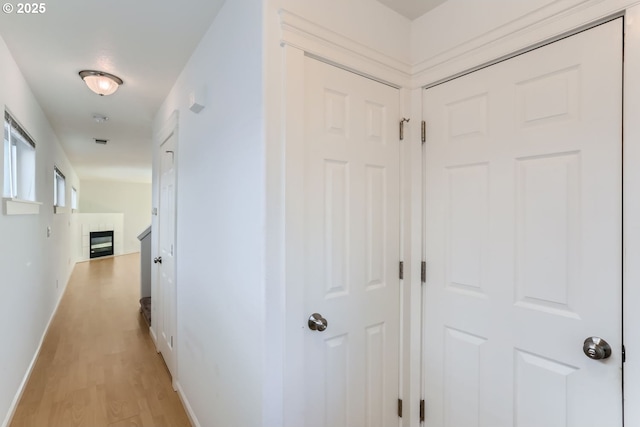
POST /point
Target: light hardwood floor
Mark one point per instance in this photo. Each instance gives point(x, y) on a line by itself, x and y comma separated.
point(98, 365)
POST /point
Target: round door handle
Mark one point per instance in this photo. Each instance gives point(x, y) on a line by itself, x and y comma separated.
point(157, 260)
point(317, 322)
point(596, 348)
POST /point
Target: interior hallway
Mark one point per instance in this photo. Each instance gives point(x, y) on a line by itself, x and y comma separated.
point(98, 365)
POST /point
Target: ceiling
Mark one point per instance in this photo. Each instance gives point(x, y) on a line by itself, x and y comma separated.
point(144, 42)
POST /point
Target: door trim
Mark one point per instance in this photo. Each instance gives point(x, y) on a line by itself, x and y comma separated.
point(343, 52)
point(169, 129)
point(631, 214)
point(293, 357)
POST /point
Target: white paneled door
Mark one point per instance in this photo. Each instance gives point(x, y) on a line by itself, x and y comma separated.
point(523, 239)
point(351, 249)
point(166, 322)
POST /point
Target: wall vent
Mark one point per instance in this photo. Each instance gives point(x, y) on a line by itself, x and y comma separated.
point(101, 141)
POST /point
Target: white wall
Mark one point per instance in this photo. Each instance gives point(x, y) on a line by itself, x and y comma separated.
point(34, 269)
point(220, 221)
point(130, 198)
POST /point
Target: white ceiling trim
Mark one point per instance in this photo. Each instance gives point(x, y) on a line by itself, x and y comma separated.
point(342, 51)
point(545, 23)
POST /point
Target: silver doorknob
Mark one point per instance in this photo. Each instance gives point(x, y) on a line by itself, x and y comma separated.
point(317, 322)
point(596, 348)
point(157, 260)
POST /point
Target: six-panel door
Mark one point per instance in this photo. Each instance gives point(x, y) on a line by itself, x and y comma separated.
point(351, 248)
point(523, 238)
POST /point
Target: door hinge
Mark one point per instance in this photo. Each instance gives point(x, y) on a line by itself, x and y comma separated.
point(422, 410)
point(423, 131)
point(402, 122)
point(171, 341)
point(400, 408)
point(401, 270)
point(624, 354)
point(423, 271)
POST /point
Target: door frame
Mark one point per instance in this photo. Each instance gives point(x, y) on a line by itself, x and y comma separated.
point(298, 39)
point(169, 128)
point(631, 214)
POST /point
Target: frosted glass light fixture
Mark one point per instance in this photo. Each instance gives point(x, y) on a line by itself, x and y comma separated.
point(100, 82)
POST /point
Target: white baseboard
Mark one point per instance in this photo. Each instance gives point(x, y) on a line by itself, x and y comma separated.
point(106, 257)
point(154, 338)
point(130, 253)
point(16, 399)
point(187, 406)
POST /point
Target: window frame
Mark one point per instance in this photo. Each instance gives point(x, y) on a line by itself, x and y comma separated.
point(19, 174)
point(59, 188)
point(74, 198)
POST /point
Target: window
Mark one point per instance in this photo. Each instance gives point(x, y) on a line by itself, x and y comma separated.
point(19, 162)
point(58, 188)
point(74, 198)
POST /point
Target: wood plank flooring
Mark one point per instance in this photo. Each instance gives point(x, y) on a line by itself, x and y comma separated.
point(98, 365)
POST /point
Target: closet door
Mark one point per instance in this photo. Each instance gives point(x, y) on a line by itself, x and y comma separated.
point(523, 238)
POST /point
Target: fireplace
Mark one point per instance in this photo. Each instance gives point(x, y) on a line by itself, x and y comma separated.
point(100, 243)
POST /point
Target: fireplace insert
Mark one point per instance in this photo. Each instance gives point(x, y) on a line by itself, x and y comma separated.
point(100, 244)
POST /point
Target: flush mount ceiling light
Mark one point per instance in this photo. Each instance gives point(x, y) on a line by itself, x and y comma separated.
point(100, 82)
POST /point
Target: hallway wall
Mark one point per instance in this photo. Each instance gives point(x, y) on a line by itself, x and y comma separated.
point(34, 268)
point(220, 221)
